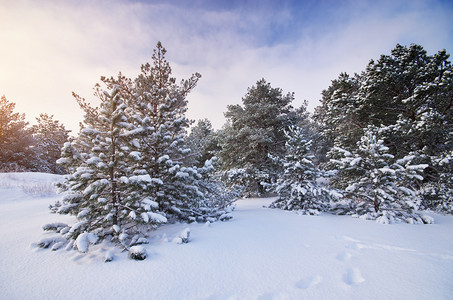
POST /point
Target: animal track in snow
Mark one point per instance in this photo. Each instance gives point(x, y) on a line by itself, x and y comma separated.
point(309, 282)
point(353, 276)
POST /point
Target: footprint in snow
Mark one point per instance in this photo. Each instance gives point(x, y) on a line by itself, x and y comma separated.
point(353, 276)
point(273, 296)
point(356, 246)
point(309, 282)
point(343, 256)
point(222, 297)
point(346, 238)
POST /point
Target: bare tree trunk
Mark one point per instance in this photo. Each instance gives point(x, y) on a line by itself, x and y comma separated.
point(376, 203)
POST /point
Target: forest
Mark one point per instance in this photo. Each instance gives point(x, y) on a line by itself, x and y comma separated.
point(378, 147)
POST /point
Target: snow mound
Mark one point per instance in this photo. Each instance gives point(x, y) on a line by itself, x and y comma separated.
point(183, 237)
point(84, 240)
point(138, 252)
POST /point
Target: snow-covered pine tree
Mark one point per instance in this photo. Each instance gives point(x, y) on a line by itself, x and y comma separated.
point(414, 91)
point(408, 92)
point(298, 187)
point(202, 142)
point(126, 167)
point(438, 195)
point(15, 139)
point(378, 186)
point(338, 115)
point(218, 199)
point(50, 136)
point(107, 199)
point(159, 129)
point(254, 131)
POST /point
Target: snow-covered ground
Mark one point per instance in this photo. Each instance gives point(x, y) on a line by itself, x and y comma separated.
point(260, 254)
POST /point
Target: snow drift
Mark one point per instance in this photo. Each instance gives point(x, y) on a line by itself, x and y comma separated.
point(261, 253)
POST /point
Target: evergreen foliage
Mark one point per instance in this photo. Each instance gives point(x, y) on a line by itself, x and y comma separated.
point(49, 136)
point(103, 192)
point(338, 114)
point(414, 93)
point(202, 142)
point(254, 131)
point(159, 127)
point(378, 185)
point(218, 197)
point(15, 138)
point(438, 195)
point(410, 95)
point(408, 91)
point(298, 187)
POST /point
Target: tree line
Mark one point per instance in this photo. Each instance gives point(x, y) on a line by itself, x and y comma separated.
point(381, 141)
point(379, 146)
point(29, 148)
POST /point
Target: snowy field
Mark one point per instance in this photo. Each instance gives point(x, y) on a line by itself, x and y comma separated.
point(260, 254)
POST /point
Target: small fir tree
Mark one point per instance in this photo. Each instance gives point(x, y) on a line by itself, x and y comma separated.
point(218, 199)
point(379, 186)
point(298, 187)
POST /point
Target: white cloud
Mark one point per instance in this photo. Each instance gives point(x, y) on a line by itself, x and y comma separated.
point(51, 48)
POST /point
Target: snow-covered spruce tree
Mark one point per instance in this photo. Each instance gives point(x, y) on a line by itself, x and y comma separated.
point(377, 185)
point(107, 199)
point(298, 187)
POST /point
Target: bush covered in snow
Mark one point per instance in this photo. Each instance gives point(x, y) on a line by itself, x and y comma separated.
point(183, 237)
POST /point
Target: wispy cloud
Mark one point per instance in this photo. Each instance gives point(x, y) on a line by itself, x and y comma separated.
point(50, 48)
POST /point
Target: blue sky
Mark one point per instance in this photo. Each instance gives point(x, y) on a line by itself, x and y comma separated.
point(50, 48)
